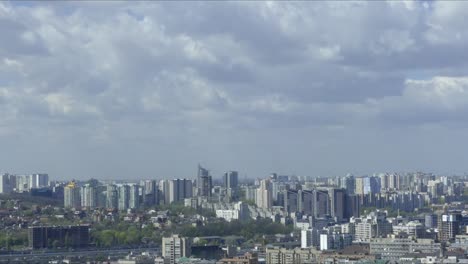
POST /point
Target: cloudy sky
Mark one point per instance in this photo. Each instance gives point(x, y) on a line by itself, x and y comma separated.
point(120, 90)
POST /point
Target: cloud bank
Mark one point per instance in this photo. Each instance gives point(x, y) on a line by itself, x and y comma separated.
point(148, 90)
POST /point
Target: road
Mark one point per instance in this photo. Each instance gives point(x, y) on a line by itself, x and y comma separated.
point(44, 257)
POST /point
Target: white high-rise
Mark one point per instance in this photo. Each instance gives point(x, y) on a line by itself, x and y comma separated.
point(264, 194)
point(124, 197)
point(134, 195)
point(71, 196)
point(89, 196)
point(7, 183)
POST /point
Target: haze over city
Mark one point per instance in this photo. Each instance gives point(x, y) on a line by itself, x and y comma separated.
point(130, 90)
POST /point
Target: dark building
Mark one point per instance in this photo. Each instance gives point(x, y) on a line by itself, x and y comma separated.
point(58, 236)
point(321, 203)
point(42, 192)
point(291, 201)
point(307, 202)
point(204, 182)
point(352, 206)
point(337, 203)
point(150, 193)
point(231, 184)
point(231, 180)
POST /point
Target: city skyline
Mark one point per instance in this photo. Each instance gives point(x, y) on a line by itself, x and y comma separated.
point(119, 90)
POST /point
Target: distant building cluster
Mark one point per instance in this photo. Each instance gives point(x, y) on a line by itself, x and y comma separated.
point(387, 216)
point(22, 183)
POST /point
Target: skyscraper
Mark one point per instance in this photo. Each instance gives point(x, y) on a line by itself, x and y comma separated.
point(264, 199)
point(150, 193)
point(71, 195)
point(112, 197)
point(164, 191)
point(230, 183)
point(134, 196)
point(179, 189)
point(7, 183)
point(88, 196)
point(124, 197)
point(337, 203)
point(231, 180)
point(291, 201)
point(321, 203)
point(204, 182)
point(307, 202)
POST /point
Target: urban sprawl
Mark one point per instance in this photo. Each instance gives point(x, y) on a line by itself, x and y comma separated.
point(278, 219)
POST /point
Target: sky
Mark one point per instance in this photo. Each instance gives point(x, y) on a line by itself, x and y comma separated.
point(132, 90)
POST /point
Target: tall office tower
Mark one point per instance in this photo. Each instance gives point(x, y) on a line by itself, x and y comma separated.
point(88, 196)
point(179, 189)
point(337, 203)
point(449, 226)
point(124, 197)
point(264, 193)
point(38, 180)
point(348, 183)
point(230, 182)
point(321, 203)
point(174, 248)
point(112, 197)
point(164, 191)
point(150, 193)
point(300, 203)
point(7, 183)
point(71, 195)
point(353, 206)
point(203, 182)
point(307, 202)
point(204, 186)
point(291, 201)
point(134, 195)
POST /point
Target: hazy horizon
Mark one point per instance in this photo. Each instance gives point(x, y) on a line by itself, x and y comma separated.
point(134, 90)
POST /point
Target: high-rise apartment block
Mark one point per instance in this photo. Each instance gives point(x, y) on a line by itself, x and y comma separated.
point(264, 194)
point(112, 196)
point(179, 189)
point(175, 247)
point(71, 195)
